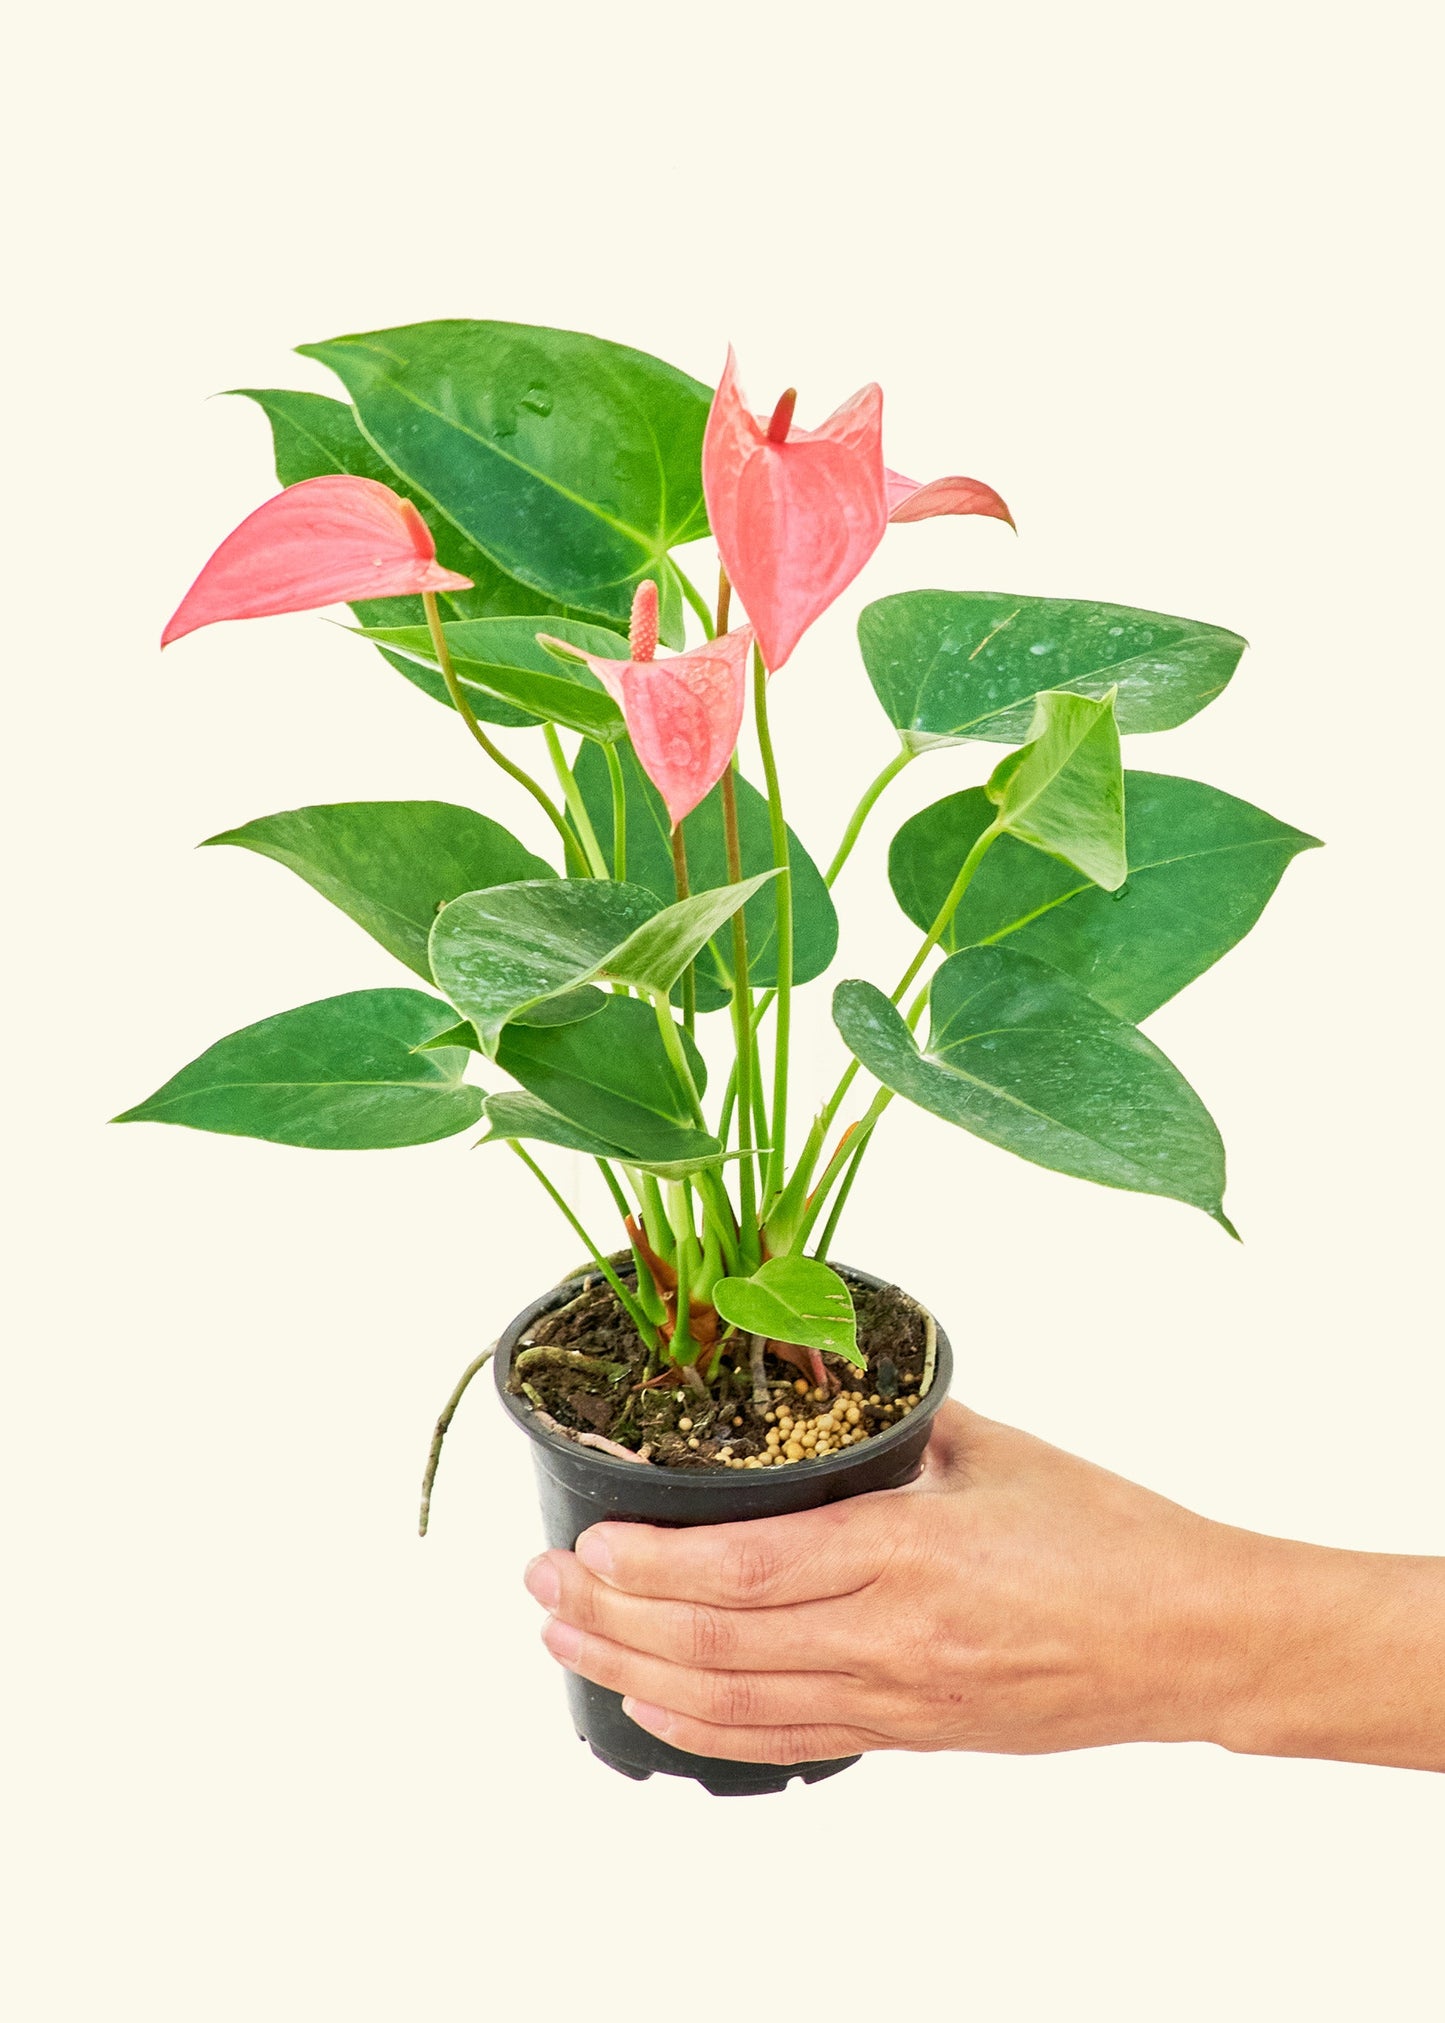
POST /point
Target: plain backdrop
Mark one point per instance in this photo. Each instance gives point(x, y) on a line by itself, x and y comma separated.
point(1162, 274)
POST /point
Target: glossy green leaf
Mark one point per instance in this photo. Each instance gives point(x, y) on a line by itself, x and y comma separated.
point(1020, 1055)
point(314, 437)
point(1064, 790)
point(954, 664)
point(649, 863)
point(391, 865)
point(569, 1009)
point(574, 463)
point(498, 662)
point(513, 1116)
point(497, 953)
point(610, 1076)
point(343, 1074)
point(655, 955)
point(793, 1299)
point(1202, 866)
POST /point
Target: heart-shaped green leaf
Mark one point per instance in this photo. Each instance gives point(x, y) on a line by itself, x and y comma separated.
point(391, 864)
point(793, 1299)
point(1064, 790)
point(497, 953)
point(342, 1074)
point(954, 664)
point(575, 464)
point(649, 863)
point(610, 1076)
point(314, 437)
point(498, 662)
point(1020, 1055)
point(519, 1115)
point(1202, 866)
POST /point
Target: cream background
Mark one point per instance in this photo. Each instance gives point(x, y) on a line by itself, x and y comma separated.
point(1159, 273)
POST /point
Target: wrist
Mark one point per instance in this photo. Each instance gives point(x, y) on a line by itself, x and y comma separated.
point(1331, 1654)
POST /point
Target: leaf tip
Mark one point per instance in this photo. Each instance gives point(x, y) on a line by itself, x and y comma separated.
point(1218, 1215)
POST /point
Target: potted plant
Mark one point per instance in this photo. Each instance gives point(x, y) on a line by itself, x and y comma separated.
point(500, 506)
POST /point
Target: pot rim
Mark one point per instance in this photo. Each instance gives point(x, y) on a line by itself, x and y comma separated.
point(834, 1465)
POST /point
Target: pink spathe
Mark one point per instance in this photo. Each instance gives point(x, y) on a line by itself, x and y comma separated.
point(683, 712)
point(797, 512)
point(795, 520)
point(908, 500)
point(332, 540)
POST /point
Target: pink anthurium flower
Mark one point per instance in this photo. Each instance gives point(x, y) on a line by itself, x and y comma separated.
point(324, 541)
point(797, 512)
point(684, 712)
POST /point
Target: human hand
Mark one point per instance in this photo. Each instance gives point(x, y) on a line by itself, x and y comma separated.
point(1014, 1599)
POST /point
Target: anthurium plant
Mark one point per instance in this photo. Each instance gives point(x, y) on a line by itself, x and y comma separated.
point(501, 506)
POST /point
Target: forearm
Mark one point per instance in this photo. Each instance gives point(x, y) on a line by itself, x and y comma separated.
point(1339, 1655)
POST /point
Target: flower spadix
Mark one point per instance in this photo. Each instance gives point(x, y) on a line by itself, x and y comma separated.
point(797, 512)
point(332, 540)
point(683, 712)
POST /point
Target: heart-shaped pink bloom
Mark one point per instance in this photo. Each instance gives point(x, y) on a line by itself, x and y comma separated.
point(684, 712)
point(908, 500)
point(795, 512)
point(325, 541)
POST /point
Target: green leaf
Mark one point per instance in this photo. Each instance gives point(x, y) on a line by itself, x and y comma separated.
point(343, 1074)
point(611, 1078)
point(512, 1116)
point(1018, 1054)
point(649, 863)
point(499, 662)
point(569, 1009)
point(314, 437)
point(391, 864)
point(573, 463)
point(954, 664)
point(498, 953)
point(1202, 867)
point(655, 956)
point(793, 1299)
point(1064, 790)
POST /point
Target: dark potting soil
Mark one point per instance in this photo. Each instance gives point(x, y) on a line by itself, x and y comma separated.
point(584, 1366)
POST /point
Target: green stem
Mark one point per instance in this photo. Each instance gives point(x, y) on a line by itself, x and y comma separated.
point(680, 880)
point(464, 710)
point(742, 1012)
point(930, 941)
point(825, 1241)
point(619, 811)
point(950, 905)
point(625, 1299)
point(681, 1210)
point(783, 886)
point(672, 1042)
point(694, 597)
point(576, 806)
point(846, 1151)
point(861, 813)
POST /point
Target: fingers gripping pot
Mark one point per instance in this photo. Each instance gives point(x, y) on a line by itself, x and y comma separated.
point(579, 1487)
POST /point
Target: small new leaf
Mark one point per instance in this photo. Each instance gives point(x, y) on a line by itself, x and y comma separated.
point(1064, 790)
point(793, 1299)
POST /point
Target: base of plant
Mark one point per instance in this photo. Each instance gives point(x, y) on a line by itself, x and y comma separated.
point(586, 1372)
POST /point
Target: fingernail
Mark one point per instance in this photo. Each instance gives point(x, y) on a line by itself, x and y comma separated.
point(543, 1582)
point(562, 1641)
point(595, 1554)
point(656, 1720)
